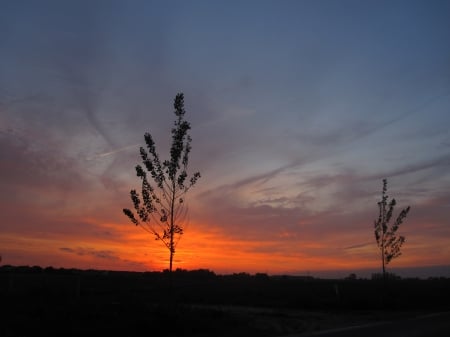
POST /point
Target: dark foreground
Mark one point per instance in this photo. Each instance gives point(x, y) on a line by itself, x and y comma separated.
point(431, 325)
point(37, 302)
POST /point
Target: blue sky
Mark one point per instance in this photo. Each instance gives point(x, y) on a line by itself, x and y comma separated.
point(299, 109)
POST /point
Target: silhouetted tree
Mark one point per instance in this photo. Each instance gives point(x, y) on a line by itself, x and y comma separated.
point(386, 236)
point(161, 208)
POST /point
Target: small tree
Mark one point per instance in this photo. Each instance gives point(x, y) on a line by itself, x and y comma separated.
point(161, 209)
point(386, 236)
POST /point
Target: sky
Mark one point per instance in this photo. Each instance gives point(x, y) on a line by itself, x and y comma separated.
point(298, 110)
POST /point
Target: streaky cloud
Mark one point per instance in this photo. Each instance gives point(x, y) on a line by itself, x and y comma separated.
point(360, 245)
point(103, 254)
point(439, 162)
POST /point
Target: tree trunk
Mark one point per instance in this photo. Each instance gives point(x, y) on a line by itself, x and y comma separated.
point(172, 225)
point(171, 256)
point(383, 294)
point(382, 258)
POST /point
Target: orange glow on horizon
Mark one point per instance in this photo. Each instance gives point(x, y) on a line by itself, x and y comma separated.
point(202, 247)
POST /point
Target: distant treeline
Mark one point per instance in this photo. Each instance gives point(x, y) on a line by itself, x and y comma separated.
point(204, 287)
point(196, 273)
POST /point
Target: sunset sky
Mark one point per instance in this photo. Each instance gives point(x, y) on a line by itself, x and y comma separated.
point(298, 109)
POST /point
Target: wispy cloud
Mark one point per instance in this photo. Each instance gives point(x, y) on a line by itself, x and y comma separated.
point(292, 136)
point(103, 254)
point(358, 246)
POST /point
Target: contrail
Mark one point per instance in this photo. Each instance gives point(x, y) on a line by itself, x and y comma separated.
point(108, 153)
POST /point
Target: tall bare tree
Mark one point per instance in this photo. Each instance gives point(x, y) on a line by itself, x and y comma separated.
point(388, 241)
point(161, 209)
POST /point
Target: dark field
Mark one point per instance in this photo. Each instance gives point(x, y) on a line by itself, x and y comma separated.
point(62, 302)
